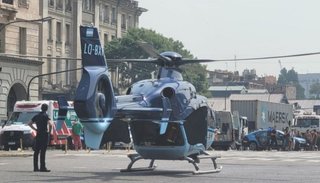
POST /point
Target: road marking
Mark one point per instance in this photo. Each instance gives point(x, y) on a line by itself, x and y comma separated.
point(313, 161)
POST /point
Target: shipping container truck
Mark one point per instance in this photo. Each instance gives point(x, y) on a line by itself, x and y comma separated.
point(262, 114)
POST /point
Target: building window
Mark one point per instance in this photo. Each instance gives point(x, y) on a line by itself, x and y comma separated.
point(51, 3)
point(123, 21)
point(1, 38)
point(106, 14)
point(58, 68)
point(113, 16)
point(50, 30)
point(59, 5)
point(24, 3)
point(22, 40)
point(101, 12)
point(105, 38)
point(49, 69)
point(68, 5)
point(7, 2)
point(87, 5)
point(58, 33)
point(68, 40)
point(113, 37)
point(68, 67)
point(130, 24)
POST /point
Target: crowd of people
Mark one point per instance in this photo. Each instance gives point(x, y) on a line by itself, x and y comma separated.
point(312, 138)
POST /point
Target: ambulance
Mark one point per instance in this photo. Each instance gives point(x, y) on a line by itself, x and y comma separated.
point(17, 134)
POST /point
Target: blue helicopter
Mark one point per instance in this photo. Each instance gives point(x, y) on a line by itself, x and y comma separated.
point(168, 120)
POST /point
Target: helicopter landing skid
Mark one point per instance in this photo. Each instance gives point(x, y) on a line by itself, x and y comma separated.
point(198, 171)
point(134, 158)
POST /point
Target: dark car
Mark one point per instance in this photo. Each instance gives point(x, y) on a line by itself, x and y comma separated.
point(260, 139)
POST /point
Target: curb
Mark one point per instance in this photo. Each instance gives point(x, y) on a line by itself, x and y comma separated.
point(15, 154)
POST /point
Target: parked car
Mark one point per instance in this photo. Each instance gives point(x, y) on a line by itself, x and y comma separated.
point(259, 140)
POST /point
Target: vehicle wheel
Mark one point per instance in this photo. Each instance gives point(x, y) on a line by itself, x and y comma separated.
point(6, 148)
point(233, 146)
point(14, 148)
point(253, 146)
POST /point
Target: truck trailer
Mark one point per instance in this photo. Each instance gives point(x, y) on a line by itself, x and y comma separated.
point(262, 114)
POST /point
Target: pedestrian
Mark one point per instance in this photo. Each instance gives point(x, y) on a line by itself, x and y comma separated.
point(43, 129)
point(76, 132)
point(314, 137)
point(273, 138)
point(308, 137)
point(292, 141)
point(286, 139)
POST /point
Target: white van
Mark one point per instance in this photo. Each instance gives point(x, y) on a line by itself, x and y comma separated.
point(16, 133)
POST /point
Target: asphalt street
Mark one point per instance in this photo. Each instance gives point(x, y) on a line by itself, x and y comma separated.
point(103, 166)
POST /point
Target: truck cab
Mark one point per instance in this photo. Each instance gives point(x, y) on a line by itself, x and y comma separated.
point(307, 121)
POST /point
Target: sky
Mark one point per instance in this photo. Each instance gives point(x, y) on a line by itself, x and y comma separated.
point(228, 29)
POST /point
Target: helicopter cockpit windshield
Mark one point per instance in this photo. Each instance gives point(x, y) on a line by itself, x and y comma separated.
point(170, 73)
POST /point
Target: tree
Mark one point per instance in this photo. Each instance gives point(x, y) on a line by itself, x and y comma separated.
point(291, 78)
point(315, 89)
point(127, 47)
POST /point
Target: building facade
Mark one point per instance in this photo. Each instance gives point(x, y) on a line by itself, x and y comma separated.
point(52, 45)
point(18, 36)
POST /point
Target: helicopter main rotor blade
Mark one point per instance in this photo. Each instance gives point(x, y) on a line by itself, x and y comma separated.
point(192, 61)
point(150, 60)
point(148, 48)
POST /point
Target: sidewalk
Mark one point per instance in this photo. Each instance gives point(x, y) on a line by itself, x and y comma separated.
point(23, 153)
point(26, 153)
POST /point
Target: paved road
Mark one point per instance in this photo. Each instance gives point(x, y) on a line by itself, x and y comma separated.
point(100, 166)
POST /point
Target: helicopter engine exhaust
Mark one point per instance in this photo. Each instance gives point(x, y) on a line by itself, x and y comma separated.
point(168, 92)
point(94, 102)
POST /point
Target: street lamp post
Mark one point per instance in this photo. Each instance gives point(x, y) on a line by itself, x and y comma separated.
point(47, 74)
point(18, 21)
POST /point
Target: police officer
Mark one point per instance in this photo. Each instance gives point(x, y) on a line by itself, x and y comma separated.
point(42, 122)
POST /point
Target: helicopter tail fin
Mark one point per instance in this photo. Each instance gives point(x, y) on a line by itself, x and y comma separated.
point(92, 51)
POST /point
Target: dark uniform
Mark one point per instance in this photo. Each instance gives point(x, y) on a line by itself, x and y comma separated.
point(42, 120)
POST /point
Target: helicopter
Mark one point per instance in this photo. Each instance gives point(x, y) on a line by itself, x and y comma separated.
point(167, 118)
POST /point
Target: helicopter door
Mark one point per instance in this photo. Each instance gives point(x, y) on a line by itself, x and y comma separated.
point(196, 126)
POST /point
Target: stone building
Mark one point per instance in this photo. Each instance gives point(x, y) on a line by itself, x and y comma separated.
point(52, 45)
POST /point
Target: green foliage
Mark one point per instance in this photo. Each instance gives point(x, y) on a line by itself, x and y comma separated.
point(315, 89)
point(127, 47)
point(291, 78)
